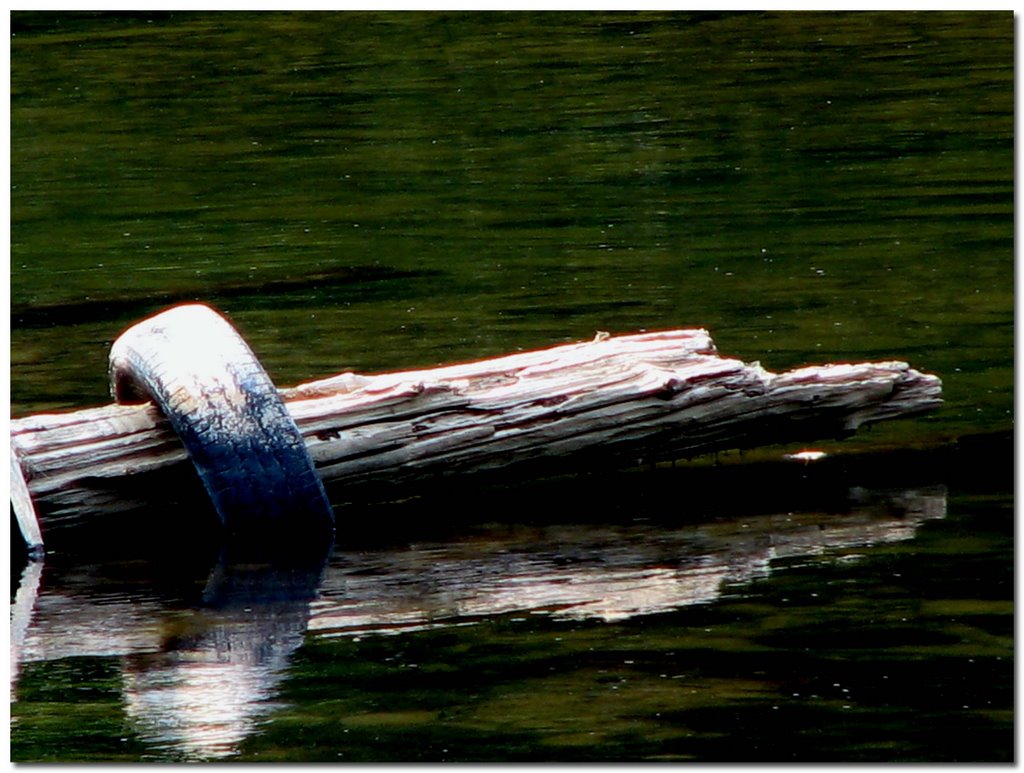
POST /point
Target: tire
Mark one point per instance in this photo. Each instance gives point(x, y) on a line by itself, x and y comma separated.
point(231, 419)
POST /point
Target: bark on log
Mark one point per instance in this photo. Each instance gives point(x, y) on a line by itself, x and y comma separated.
point(612, 401)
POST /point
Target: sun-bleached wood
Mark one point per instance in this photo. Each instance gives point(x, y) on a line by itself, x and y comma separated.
point(616, 400)
point(24, 510)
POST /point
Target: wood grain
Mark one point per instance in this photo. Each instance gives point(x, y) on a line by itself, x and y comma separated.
point(615, 401)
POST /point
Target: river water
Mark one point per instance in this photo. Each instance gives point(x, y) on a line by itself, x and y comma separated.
point(372, 192)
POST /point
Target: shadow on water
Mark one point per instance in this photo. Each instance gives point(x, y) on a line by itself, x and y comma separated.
point(279, 292)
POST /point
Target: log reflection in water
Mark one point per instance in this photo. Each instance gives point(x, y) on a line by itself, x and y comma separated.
point(22, 610)
point(198, 678)
point(606, 572)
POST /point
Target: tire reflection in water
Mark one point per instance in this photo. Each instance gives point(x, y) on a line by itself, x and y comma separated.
point(587, 571)
point(215, 677)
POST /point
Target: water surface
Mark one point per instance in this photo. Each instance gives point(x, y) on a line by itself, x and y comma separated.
point(386, 191)
point(809, 187)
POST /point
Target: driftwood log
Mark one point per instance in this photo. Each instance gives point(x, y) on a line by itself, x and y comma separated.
point(616, 401)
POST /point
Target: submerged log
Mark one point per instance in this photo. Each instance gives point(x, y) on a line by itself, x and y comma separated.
point(614, 401)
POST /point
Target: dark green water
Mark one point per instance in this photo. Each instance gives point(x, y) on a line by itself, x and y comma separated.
point(374, 192)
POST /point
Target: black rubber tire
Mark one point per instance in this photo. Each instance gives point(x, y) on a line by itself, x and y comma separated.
point(243, 442)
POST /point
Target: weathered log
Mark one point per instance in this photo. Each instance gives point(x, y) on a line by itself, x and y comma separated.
point(612, 401)
point(24, 511)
